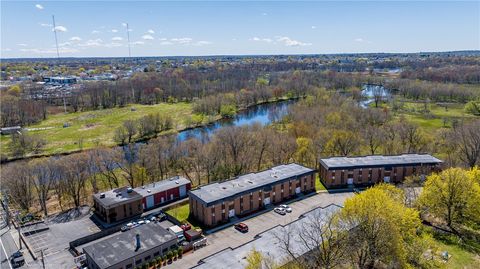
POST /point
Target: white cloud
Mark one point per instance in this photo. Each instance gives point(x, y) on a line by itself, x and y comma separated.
point(113, 44)
point(124, 24)
point(22, 45)
point(65, 44)
point(75, 38)
point(92, 43)
point(117, 38)
point(138, 43)
point(202, 43)
point(291, 43)
point(181, 40)
point(62, 50)
point(362, 40)
point(268, 40)
point(61, 28)
point(264, 14)
point(166, 43)
point(45, 25)
point(314, 27)
point(162, 39)
point(38, 6)
point(95, 32)
point(150, 31)
point(114, 31)
point(147, 37)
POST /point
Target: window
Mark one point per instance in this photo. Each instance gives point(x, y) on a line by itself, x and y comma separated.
point(147, 258)
point(129, 266)
point(138, 262)
point(156, 254)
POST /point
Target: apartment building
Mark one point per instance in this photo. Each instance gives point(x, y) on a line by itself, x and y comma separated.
point(339, 172)
point(219, 202)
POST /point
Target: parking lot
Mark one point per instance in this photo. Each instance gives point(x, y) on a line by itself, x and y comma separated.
point(229, 237)
point(55, 241)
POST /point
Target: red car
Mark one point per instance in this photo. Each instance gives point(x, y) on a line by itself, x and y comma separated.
point(241, 227)
point(186, 227)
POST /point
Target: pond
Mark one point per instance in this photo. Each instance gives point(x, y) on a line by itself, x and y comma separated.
point(370, 90)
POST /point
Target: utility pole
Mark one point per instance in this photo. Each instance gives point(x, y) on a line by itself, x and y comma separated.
point(43, 259)
point(128, 40)
point(58, 57)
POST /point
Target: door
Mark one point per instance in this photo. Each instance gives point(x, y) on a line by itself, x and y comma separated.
point(266, 201)
point(183, 190)
point(298, 190)
point(231, 213)
point(171, 196)
point(162, 200)
point(386, 179)
point(350, 181)
point(150, 201)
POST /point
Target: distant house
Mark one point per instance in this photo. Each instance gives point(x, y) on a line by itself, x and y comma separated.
point(368, 170)
point(10, 130)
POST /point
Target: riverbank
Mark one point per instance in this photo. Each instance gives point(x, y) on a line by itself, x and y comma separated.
point(92, 129)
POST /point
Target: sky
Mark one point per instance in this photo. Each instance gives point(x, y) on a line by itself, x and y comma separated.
point(98, 28)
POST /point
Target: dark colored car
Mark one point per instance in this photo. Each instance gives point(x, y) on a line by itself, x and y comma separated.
point(17, 259)
point(241, 227)
point(356, 191)
point(161, 216)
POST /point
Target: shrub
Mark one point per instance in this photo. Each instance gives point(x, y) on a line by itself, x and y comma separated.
point(169, 254)
point(180, 251)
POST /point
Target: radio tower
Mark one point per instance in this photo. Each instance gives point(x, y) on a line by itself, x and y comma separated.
point(128, 40)
point(55, 32)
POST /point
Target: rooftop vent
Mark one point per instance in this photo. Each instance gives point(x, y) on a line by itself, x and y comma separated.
point(149, 191)
point(176, 182)
point(129, 190)
point(143, 187)
point(251, 182)
point(224, 188)
point(102, 195)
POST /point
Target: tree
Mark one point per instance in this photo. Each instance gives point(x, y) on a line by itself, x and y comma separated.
point(44, 174)
point(130, 128)
point(320, 236)
point(380, 228)
point(453, 197)
point(24, 143)
point(257, 260)
point(467, 138)
point(473, 107)
point(74, 176)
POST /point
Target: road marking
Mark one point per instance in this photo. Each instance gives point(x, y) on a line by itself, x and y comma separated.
point(6, 255)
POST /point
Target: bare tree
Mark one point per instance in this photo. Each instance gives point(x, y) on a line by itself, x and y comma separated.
point(317, 242)
point(467, 137)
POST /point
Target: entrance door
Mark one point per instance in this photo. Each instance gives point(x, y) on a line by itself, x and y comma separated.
point(298, 190)
point(350, 181)
point(266, 201)
point(386, 179)
point(231, 213)
point(150, 201)
point(162, 200)
point(183, 191)
point(171, 196)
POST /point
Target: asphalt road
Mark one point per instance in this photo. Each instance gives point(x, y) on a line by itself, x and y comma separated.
point(7, 244)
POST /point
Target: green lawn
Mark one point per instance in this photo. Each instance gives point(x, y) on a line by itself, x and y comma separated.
point(318, 185)
point(98, 126)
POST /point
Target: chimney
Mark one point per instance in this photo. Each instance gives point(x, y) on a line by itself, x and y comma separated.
point(138, 245)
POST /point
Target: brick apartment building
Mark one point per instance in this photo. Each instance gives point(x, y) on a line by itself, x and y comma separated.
point(218, 202)
point(122, 203)
point(367, 170)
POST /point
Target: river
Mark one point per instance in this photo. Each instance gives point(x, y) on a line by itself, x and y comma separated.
point(263, 114)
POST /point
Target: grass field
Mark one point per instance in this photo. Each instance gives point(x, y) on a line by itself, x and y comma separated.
point(92, 127)
point(436, 117)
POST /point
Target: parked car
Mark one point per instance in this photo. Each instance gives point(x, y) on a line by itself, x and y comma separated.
point(356, 191)
point(161, 216)
point(241, 227)
point(125, 228)
point(17, 259)
point(287, 208)
point(153, 218)
point(280, 210)
point(141, 222)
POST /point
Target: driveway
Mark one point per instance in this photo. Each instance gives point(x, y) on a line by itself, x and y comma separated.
point(231, 238)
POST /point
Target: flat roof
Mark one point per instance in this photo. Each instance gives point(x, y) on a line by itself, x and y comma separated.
point(378, 160)
point(121, 247)
point(162, 185)
point(221, 190)
point(268, 243)
point(116, 196)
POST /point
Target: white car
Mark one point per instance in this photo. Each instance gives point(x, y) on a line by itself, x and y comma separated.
point(141, 222)
point(287, 208)
point(280, 210)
